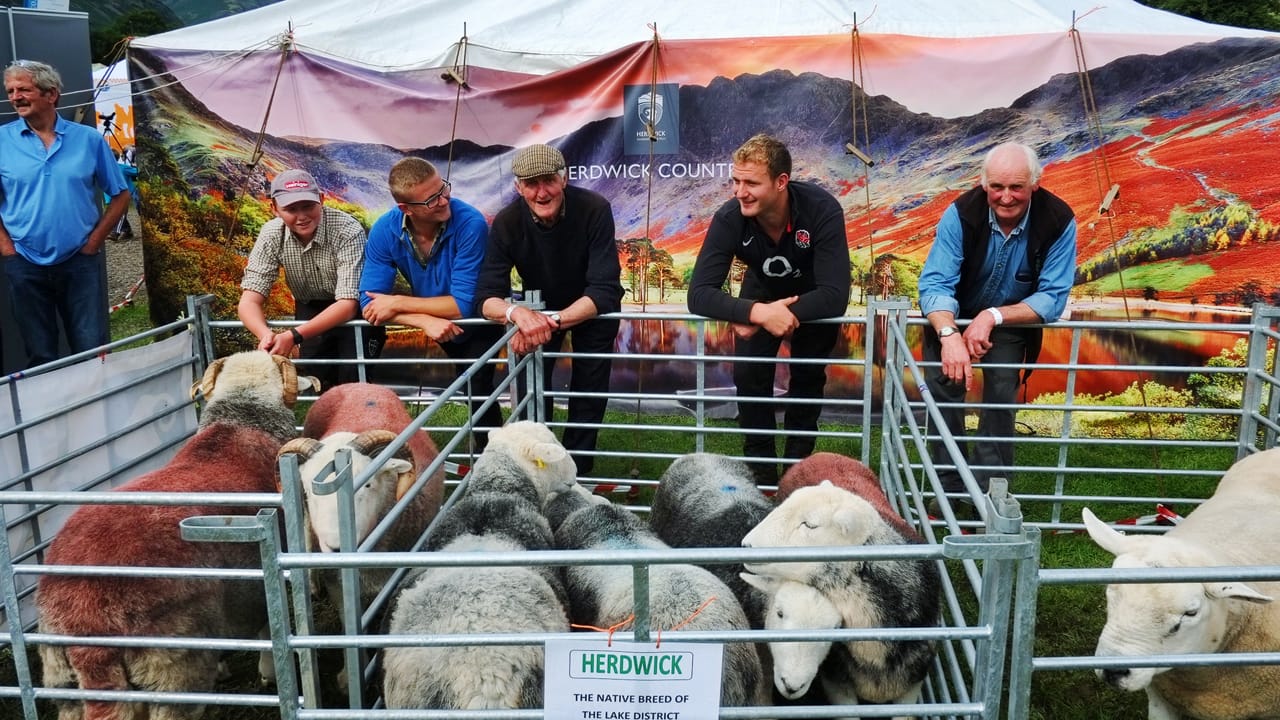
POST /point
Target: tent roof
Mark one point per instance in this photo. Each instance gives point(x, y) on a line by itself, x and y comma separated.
point(543, 36)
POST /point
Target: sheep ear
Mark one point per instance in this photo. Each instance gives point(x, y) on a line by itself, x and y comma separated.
point(309, 382)
point(545, 453)
point(205, 384)
point(1104, 535)
point(763, 583)
point(1235, 591)
point(404, 475)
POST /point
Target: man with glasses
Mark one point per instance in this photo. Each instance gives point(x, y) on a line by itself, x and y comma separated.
point(437, 243)
point(51, 224)
point(561, 241)
point(321, 250)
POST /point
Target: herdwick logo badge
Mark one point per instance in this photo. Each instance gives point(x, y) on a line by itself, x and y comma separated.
point(649, 106)
point(802, 239)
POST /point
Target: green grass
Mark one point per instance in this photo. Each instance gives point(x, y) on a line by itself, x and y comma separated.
point(128, 321)
point(1174, 275)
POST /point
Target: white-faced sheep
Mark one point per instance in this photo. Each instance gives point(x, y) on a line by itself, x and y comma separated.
point(253, 389)
point(867, 594)
point(709, 500)
point(471, 600)
point(1238, 526)
point(523, 458)
point(602, 595)
point(250, 393)
point(365, 419)
point(506, 489)
point(145, 536)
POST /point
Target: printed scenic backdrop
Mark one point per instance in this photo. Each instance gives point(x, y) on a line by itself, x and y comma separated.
point(1186, 128)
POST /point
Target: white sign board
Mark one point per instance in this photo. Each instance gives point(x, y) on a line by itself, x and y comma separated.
point(592, 679)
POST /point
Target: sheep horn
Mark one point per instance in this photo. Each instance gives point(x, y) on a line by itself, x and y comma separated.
point(372, 442)
point(289, 375)
point(303, 446)
point(205, 384)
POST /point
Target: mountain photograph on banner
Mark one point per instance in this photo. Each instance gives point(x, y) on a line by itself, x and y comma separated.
point(1186, 133)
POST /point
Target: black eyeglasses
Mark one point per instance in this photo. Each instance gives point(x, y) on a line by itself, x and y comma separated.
point(435, 198)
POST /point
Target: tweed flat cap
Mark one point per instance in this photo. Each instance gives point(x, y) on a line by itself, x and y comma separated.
point(536, 161)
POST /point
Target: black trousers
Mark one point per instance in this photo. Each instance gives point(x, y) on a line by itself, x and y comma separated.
point(755, 380)
point(336, 344)
point(999, 386)
point(587, 375)
point(464, 349)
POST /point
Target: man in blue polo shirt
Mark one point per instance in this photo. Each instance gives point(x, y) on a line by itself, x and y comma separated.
point(51, 228)
point(437, 243)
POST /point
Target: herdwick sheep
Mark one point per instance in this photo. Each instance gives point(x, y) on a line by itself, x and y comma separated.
point(602, 595)
point(253, 389)
point(523, 458)
point(709, 500)
point(797, 606)
point(220, 458)
point(848, 474)
point(366, 418)
point(842, 471)
point(467, 600)
point(1237, 526)
point(868, 594)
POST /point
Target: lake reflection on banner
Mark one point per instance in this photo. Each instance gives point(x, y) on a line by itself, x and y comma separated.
point(1155, 348)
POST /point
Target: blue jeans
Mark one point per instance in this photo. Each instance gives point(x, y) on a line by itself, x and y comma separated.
point(73, 290)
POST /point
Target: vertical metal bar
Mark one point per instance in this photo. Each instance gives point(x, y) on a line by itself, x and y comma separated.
point(277, 614)
point(1251, 395)
point(300, 578)
point(700, 387)
point(13, 615)
point(869, 341)
point(350, 577)
point(1060, 479)
point(640, 591)
point(1023, 643)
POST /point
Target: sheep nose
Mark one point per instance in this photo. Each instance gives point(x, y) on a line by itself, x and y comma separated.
point(1114, 676)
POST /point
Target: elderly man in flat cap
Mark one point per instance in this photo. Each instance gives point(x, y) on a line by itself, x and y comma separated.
point(561, 241)
point(322, 251)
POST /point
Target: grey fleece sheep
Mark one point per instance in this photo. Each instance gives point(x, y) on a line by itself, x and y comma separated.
point(253, 389)
point(709, 500)
point(853, 594)
point(465, 600)
point(602, 595)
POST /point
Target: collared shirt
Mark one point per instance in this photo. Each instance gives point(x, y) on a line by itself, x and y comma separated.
point(1006, 270)
point(450, 268)
point(50, 204)
point(327, 268)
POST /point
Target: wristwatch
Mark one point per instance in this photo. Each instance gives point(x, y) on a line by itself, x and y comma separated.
point(297, 336)
point(948, 331)
point(555, 318)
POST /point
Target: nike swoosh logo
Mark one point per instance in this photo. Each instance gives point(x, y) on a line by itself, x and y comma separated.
point(748, 241)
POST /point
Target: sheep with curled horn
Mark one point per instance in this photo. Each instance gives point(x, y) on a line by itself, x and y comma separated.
point(253, 389)
point(245, 421)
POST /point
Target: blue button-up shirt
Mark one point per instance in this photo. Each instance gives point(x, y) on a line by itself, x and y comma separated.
point(450, 270)
point(1006, 270)
point(49, 204)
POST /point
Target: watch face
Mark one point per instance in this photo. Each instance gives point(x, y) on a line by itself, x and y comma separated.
point(947, 332)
